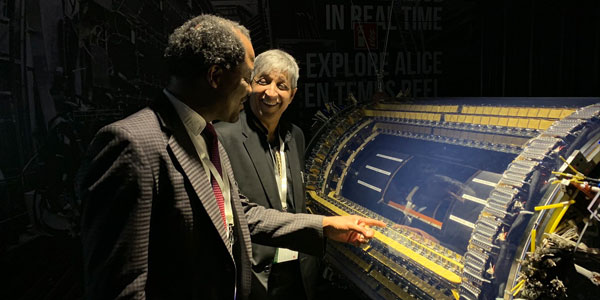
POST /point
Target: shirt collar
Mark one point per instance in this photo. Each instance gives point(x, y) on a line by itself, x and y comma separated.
point(192, 120)
point(255, 121)
point(282, 128)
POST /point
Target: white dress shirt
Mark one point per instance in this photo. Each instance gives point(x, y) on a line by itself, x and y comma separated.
point(194, 125)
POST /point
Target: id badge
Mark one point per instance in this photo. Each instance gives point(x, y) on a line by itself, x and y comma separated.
point(283, 255)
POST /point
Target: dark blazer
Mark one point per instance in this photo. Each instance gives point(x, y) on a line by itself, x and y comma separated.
point(151, 227)
point(252, 165)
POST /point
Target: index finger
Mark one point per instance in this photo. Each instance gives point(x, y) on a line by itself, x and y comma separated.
point(371, 222)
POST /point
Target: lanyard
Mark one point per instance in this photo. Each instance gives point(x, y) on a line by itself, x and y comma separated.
point(280, 169)
point(223, 183)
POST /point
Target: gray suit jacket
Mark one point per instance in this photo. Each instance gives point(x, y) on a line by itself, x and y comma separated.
point(252, 165)
point(151, 227)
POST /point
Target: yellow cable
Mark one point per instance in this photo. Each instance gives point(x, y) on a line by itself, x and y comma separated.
point(578, 176)
point(517, 285)
point(519, 289)
point(556, 205)
point(560, 215)
point(569, 165)
point(532, 240)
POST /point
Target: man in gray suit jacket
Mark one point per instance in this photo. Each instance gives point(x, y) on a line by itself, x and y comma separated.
point(162, 217)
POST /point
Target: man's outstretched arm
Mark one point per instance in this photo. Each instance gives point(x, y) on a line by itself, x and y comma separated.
point(305, 232)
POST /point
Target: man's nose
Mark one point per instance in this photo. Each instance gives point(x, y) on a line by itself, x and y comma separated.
point(270, 92)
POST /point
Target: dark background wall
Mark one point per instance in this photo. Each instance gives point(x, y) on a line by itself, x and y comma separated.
point(67, 67)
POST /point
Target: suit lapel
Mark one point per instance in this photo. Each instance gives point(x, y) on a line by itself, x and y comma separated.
point(263, 167)
point(241, 226)
point(240, 218)
point(193, 169)
point(295, 170)
point(186, 155)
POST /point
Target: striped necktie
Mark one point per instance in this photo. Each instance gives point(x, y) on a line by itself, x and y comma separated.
point(213, 151)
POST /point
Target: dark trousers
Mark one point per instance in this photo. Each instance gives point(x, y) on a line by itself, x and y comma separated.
point(285, 283)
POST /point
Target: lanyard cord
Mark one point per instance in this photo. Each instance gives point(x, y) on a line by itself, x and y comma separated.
point(223, 182)
point(280, 170)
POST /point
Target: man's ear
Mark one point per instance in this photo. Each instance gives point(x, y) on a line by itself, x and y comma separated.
point(293, 94)
point(214, 75)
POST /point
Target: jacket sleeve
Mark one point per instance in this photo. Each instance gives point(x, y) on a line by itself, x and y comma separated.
point(270, 227)
point(115, 185)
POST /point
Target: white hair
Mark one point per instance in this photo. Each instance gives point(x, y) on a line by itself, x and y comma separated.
point(277, 60)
